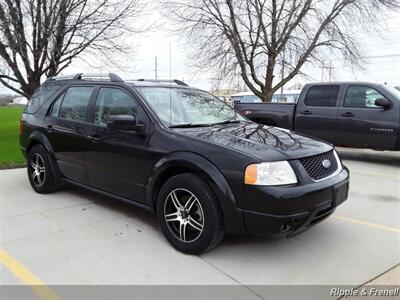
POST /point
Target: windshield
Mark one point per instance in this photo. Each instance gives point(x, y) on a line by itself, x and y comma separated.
point(175, 106)
point(395, 92)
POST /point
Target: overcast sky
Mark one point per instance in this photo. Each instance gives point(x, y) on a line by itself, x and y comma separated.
point(382, 59)
point(382, 62)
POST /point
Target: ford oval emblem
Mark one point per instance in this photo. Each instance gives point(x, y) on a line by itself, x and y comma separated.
point(326, 163)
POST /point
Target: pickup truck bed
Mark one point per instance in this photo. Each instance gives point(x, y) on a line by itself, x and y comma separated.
point(273, 114)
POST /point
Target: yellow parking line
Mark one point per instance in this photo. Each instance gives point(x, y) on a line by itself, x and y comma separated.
point(360, 222)
point(27, 277)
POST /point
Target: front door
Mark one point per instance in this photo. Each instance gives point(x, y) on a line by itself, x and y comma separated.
point(363, 124)
point(117, 162)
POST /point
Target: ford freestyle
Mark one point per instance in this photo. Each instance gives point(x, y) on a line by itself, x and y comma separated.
point(181, 153)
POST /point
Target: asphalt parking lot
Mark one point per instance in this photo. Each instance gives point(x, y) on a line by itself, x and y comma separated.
point(75, 237)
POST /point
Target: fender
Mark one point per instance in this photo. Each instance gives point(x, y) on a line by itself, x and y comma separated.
point(37, 137)
point(234, 222)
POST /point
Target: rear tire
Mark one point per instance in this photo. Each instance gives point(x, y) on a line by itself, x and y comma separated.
point(189, 214)
point(40, 173)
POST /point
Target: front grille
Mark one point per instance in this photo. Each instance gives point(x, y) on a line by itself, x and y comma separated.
point(314, 165)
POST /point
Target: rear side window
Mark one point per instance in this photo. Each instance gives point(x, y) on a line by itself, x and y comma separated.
point(75, 103)
point(42, 94)
point(322, 95)
point(56, 106)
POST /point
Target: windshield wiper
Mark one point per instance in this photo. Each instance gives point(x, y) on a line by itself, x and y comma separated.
point(189, 125)
point(227, 122)
point(192, 125)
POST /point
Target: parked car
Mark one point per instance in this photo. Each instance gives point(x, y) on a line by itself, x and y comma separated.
point(347, 114)
point(181, 153)
point(245, 97)
point(288, 96)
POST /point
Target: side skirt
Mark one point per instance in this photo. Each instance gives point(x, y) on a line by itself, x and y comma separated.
point(119, 198)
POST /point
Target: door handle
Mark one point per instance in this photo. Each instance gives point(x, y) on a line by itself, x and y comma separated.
point(347, 114)
point(94, 138)
point(306, 112)
point(50, 128)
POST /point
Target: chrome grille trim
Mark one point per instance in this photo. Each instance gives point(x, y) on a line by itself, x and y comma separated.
point(309, 164)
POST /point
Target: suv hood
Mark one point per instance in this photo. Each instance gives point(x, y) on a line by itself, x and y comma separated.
point(262, 142)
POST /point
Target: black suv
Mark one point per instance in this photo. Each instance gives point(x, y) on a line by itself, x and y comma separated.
point(203, 169)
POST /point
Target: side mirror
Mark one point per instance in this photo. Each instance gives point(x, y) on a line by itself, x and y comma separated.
point(124, 123)
point(383, 102)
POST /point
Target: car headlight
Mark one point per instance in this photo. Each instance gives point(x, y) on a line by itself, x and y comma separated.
point(270, 173)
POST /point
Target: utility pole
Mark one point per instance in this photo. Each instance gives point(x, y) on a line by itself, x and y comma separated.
point(156, 67)
point(282, 72)
point(330, 69)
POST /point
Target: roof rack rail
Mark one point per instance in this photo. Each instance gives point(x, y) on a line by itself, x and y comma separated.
point(111, 76)
point(176, 81)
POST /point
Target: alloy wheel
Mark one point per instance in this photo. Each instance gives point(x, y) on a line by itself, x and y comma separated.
point(38, 170)
point(184, 215)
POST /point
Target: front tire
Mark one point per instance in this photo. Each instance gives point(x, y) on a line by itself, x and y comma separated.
point(189, 214)
point(40, 172)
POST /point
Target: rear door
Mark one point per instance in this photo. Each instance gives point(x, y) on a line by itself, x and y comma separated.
point(363, 124)
point(65, 130)
point(317, 110)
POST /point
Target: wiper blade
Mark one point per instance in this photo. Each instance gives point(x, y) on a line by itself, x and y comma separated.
point(227, 122)
point(189, 125)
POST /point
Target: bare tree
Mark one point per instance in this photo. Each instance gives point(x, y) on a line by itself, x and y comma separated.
point(252, 37)
point(42, 37)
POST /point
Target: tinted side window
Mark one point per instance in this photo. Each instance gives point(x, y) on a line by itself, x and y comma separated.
point(361, 97)
point(75, 103)
point(111, 102)
point(42, 94)
point(322, 95)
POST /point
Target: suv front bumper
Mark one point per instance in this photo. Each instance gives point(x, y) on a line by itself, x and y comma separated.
point(287, 211)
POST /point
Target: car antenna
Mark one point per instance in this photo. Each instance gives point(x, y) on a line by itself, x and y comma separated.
point(170, 84)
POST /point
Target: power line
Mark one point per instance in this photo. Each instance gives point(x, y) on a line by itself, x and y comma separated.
point(382, 44)
point(384, 56)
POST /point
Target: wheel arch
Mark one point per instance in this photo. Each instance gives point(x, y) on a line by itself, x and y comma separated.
point(38, 138)
point(186, 162)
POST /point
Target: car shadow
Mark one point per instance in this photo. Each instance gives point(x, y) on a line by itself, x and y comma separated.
point(149, 219)
point(390, 158)
point(128, 210)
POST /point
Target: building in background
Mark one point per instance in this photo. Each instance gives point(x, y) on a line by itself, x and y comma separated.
point(20, 101)
point(287, 96)
point(224, 94)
